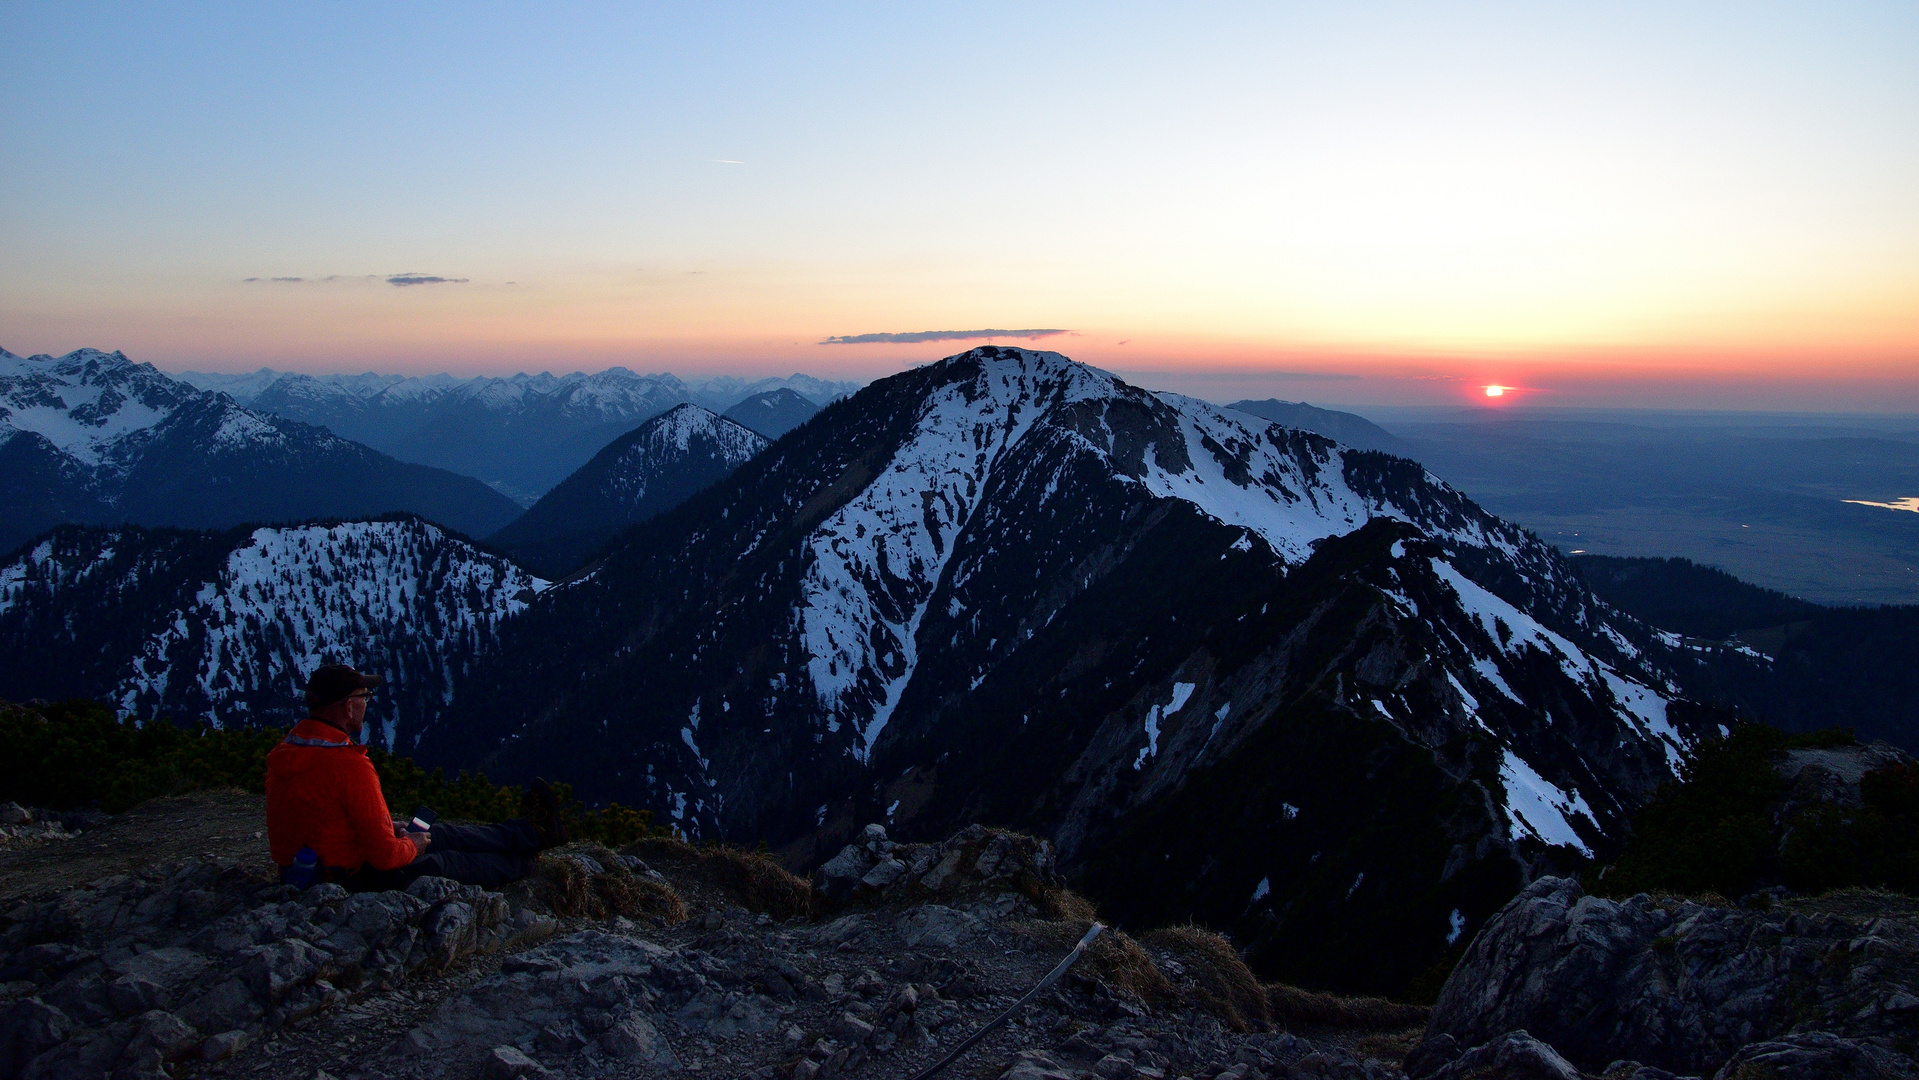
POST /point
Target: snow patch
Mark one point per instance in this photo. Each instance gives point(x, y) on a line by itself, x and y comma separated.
point(1539, 808)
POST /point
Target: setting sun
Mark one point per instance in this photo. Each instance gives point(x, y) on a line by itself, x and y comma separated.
point(1495, 391)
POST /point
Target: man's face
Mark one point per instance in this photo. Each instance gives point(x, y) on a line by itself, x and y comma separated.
point(356, 710)
point(348, 714)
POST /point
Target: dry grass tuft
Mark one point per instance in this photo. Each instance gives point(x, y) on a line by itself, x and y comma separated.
point(1311, 1008)
point(1113, 957)
point(662, 849)
point(754, 880)
point(569, 890)
point(758, 881)
point(1390, 1047)
point(1222, 981)
point(1120, 961)
point(1056, 902)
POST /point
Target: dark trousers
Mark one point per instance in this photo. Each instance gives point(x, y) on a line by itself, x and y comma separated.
point(485, 855)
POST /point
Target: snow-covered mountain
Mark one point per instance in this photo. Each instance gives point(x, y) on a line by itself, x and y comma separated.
point(225, 626)
point(95, 437)
point(773, 413)
point(641, 474)
point(522, 433)
point(1317, 687)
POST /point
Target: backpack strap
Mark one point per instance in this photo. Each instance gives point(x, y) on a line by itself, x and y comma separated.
point(301, 740)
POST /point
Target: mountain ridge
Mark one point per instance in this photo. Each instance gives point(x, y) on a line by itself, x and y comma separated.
point(1007, 587)
point(224, 626)
point(522, 433)
point(94, 437)
point(1341, 427)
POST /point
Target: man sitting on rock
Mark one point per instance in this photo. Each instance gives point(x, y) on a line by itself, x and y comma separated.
point(323, 794)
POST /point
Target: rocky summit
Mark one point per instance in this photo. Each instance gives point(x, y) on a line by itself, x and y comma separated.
point(670, 959)
point(686, 961)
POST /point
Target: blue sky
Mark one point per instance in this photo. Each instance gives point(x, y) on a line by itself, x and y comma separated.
point(1573, 196)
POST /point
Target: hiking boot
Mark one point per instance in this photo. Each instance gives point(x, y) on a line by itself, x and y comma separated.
point(543, 811)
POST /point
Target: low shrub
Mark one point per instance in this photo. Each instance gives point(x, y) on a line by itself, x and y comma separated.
point(77, 753)
point(1717, 830)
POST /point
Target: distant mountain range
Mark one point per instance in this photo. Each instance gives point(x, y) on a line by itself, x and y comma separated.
point(1341, 427)
point(520, 434)
point(641, 474)
point(92, 437)
point(224, 626)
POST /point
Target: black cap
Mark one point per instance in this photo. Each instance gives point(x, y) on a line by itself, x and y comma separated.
point(332, 682)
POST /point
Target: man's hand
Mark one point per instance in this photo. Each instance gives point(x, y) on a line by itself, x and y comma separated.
point(420, 840)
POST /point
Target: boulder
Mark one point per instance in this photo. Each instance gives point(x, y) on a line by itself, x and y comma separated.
point(938, 926)
point(225, 1044)
point(634, 1040)
point(1678, 985)
point(842, 873)
point(1515, 1055)
point(28, 1029)
point(510, 1063)
point(1817, 1055)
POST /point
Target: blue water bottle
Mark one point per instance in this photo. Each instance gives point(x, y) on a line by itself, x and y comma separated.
point(305, 869)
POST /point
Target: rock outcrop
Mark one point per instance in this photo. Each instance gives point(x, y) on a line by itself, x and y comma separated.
point(877, 869)
point(137, 970)
point(22, 826)
point(1683, 986)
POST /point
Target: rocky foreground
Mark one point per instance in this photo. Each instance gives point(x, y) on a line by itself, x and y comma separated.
point(667, 959)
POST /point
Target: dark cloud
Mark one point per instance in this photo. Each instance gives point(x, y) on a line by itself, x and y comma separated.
point(424, 279)
point(284, 279)
point(936, 335)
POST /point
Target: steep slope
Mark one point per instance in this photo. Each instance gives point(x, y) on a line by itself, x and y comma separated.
point(1011, 588)
point(645, 472)
point(224, 626)
point(94, 437)
point(1341, 427)
point(1683, 596)
point(773, 413)
point(1788, 662)
point(522, 434)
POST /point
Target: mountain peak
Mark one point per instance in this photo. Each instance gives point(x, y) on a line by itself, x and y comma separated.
point(637, 476)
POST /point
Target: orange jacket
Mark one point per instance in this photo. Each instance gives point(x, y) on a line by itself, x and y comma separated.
point(322, 792)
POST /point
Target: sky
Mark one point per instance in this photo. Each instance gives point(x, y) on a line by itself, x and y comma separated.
point(1674, 204)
